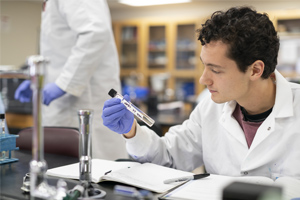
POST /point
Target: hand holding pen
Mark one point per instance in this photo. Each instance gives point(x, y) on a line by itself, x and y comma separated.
point(186, 178)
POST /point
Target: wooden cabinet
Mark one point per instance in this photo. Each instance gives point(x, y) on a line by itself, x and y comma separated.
point(149, 50)
point(129, 48)
point(18, 121)
point(129, 40)
point(288, 27)
point(186, 47)
point(188, 68)
point(157, 47)
point(289, 51)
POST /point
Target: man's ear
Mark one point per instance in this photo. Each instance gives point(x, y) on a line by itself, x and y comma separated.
point(257, 69)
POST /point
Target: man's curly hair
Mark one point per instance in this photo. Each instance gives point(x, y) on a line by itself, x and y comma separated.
point(250, 35)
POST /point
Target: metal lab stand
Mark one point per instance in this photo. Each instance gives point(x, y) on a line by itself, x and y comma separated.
point(39, 187)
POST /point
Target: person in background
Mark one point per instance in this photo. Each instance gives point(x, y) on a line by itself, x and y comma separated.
point(77, 38)
point(247, 126)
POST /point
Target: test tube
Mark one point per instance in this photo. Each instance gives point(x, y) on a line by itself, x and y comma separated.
point(132, 108)
point(2, 118)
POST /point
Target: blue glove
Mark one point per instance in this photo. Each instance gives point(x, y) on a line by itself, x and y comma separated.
point(116, 116)
point(23, 93)
point(50, 92)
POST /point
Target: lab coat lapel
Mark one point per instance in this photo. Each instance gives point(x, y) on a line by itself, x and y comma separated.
point(265, 129)
point(283, 108)
point(230, 123)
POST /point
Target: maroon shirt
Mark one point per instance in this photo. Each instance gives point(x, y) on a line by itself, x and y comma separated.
point(248, 127)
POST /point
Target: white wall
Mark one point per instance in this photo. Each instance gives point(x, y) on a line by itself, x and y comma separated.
point(199, 9)
point(20, 33)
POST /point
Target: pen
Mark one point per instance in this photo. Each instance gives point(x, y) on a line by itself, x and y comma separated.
point(107, 172)
point(186, 178)
point(132, 192)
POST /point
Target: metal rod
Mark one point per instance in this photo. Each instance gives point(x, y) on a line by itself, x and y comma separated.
point(38, 166)
point(85, 146)
point(37, 70)
point(39, 187)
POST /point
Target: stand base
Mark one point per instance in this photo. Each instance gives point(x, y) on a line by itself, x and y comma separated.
point(8, 160)
point(95, 193)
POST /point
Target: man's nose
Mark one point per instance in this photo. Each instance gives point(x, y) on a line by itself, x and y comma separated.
point(205, 78)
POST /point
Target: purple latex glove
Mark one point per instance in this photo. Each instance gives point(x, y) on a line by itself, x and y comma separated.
point(23, 93)
point(50, 92)
point(116, 116)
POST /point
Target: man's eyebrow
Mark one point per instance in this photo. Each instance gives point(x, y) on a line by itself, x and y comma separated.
point(211, 65)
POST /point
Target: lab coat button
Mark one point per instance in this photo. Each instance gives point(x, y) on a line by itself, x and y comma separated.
point(269, 128)
point(244, 173)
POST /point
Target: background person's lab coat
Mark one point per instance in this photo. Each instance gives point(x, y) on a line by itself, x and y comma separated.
point(77, 38)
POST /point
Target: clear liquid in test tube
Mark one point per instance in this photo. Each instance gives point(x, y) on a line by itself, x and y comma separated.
point(132, 108)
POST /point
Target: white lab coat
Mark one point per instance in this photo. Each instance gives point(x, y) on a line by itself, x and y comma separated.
point(77, 38)
point(212, 136)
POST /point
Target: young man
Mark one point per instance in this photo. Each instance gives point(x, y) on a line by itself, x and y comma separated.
point(248, 126)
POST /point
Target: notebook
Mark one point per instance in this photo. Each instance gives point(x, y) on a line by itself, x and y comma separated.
point(146, 176)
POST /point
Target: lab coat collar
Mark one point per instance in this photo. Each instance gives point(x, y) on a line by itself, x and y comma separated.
point(229, 108)
point(284, 98)
point(231, 124)
point(283, 108)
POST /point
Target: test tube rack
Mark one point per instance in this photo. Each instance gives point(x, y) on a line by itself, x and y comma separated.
point(8, 144)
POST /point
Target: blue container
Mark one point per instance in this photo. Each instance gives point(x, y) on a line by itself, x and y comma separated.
point(8, 143)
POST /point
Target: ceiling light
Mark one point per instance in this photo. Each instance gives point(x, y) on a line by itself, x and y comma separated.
point(151, 2)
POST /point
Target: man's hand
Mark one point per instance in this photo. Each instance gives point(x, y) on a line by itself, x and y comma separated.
point(116, 116)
